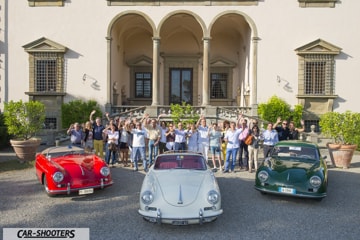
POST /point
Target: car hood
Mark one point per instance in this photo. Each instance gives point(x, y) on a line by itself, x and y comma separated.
point(180, 187)
point(75, 163)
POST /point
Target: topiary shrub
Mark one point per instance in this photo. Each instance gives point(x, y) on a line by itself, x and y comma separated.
point(78, 111)
point(344, 128)
point(183, 113)
point(4, 135)
point(276, 107)
point(24, 119)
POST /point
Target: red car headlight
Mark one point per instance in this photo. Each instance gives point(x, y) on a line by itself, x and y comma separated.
point(105, 171)
point(58, 177)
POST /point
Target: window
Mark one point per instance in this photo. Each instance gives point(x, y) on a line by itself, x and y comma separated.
point(50, 123)
point(309, 123)
point(319, 74)
point(47, 78)
point(46, 67)
point(316, 79)
point(317, 68)
point(46, 3)
point(218, 85)
point(45, 73)
point(317, 3)
point(143, 82)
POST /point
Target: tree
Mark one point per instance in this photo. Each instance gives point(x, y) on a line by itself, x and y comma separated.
point(24, 119)
point(78, 111)
point(184, 113)
point(276, 107)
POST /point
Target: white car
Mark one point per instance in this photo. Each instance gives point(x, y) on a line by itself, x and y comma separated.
point(180, 189)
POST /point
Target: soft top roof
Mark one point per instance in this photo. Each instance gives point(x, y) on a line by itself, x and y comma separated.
point(61, 149)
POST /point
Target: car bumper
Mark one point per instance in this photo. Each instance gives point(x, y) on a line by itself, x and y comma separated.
point(203, 216)
point(68, 189)
point(297, 194)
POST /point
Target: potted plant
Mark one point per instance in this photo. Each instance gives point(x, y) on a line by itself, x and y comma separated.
point(344, 129)
point(23, 121)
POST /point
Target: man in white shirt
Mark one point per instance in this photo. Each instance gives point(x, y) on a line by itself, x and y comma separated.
point(138, 146)
point(154, 135)
point(203, 138)
point(232, 146)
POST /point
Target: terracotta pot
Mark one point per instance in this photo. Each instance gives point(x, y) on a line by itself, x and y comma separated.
point(340, 154)
point(25, 149)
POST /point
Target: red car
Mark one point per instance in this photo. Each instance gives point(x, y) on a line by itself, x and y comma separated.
point(67, 169)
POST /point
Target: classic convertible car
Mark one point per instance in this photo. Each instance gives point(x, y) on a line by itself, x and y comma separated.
point(180, 189)
point(67, 169)
point(293, 168)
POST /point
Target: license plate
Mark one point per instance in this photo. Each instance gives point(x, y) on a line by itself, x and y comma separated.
point(180, 222)
point(86, 191)
point(287, 190)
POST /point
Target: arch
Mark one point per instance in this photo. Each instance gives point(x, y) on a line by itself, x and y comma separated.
point(248, 19)
point(113, 33)
point(169, 15)
point(247, 87)
point(130, 12)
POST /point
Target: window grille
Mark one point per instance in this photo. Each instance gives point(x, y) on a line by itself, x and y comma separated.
point(219, 85)
point(319, 74)
point(308, 124)
point(50, 123)
point(46, 74)
point(143, 85)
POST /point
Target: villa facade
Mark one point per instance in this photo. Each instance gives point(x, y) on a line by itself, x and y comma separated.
point(211, 54)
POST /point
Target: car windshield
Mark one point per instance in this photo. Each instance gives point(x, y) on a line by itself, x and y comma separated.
point(295, 151)
point(173, 161)
point(63, 151)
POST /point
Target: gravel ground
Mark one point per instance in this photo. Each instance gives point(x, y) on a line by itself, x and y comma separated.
point(112, 213)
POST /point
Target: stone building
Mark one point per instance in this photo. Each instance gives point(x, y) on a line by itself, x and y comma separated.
point(218, 56)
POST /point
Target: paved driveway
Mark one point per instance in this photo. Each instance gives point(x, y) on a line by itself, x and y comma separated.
point(112, 213)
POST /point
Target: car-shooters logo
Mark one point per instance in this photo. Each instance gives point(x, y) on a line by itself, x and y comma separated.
point(46, 233)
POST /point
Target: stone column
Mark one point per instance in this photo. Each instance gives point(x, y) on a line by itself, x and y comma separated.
point(108, 84)
point(206, 74)
point(155, 82)
point(253, 91)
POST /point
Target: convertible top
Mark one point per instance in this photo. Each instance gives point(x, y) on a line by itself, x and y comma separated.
point(177, 160)
point(61, 149)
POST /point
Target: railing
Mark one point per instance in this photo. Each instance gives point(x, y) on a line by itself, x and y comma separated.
point(127, 110)
point(228, 112)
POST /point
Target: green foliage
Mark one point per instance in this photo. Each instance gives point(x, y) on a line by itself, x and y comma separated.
point(276, 107)
point(344, 127)
point(78, 111)
point(24, 119)
point(296, 114)
point(184, 113)
point(4, 135)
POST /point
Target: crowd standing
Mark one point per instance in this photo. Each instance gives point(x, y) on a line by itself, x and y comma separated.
point(135, 141)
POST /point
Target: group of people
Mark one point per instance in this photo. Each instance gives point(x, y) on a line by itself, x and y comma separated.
point(243, 140)
point(142, 140)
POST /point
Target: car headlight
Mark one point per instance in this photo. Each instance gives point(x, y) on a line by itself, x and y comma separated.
point(263, 176)
point(315, 181)
point(213, 197)
point(105, 171)
point(147, 197)
point(58, 177)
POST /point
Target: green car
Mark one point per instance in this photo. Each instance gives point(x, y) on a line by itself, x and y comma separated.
point(293, 168)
